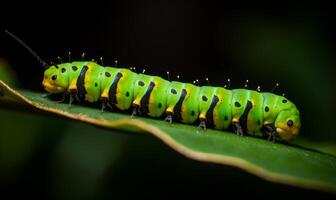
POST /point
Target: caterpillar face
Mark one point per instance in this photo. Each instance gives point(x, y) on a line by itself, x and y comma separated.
point(55, 79)
point(288, 124)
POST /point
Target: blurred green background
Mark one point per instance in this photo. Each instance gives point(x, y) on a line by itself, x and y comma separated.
point(292, 43)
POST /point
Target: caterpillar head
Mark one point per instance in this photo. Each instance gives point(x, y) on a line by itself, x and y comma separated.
point(288, 123)
point(55, 80)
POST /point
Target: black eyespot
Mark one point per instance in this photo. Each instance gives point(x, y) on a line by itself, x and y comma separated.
point(127, 94)
point(96, 84)
point(141, 83)
point(290, 123)
point(284, 101)
point(74, 68)
point(54, 77)
point(237, 104)
point(63, 70)
point(160, 105)
point(56, 66)
point(173, 91)
point(192, 113)
point(204, 98)
point(266, 109)
point(107, 74)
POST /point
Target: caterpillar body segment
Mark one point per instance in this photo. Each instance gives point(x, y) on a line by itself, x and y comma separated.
point(183, 99)
point(120, 87)
point(248, 110)
point(222, 113)
point(248, 101)
point(149, 93)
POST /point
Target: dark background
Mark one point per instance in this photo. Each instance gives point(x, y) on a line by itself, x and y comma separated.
point(292, 43)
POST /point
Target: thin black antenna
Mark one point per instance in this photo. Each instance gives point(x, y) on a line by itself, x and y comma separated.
point(33, 53)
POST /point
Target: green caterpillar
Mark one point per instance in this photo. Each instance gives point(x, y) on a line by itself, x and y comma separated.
point(247, 111)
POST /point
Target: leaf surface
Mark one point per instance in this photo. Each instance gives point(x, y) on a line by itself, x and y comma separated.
point(274, 162)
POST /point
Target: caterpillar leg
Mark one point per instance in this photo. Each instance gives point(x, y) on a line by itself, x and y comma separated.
point(104, 104)
point(135, 110)
point(50, 94)
point(46, 95)
point(270, 131)
point(202, 125)
point(238, 129)
point(169, 118)
point(73, 97)
point(62, 99)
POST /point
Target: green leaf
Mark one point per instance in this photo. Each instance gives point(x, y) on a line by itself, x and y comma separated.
point(274, 162)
